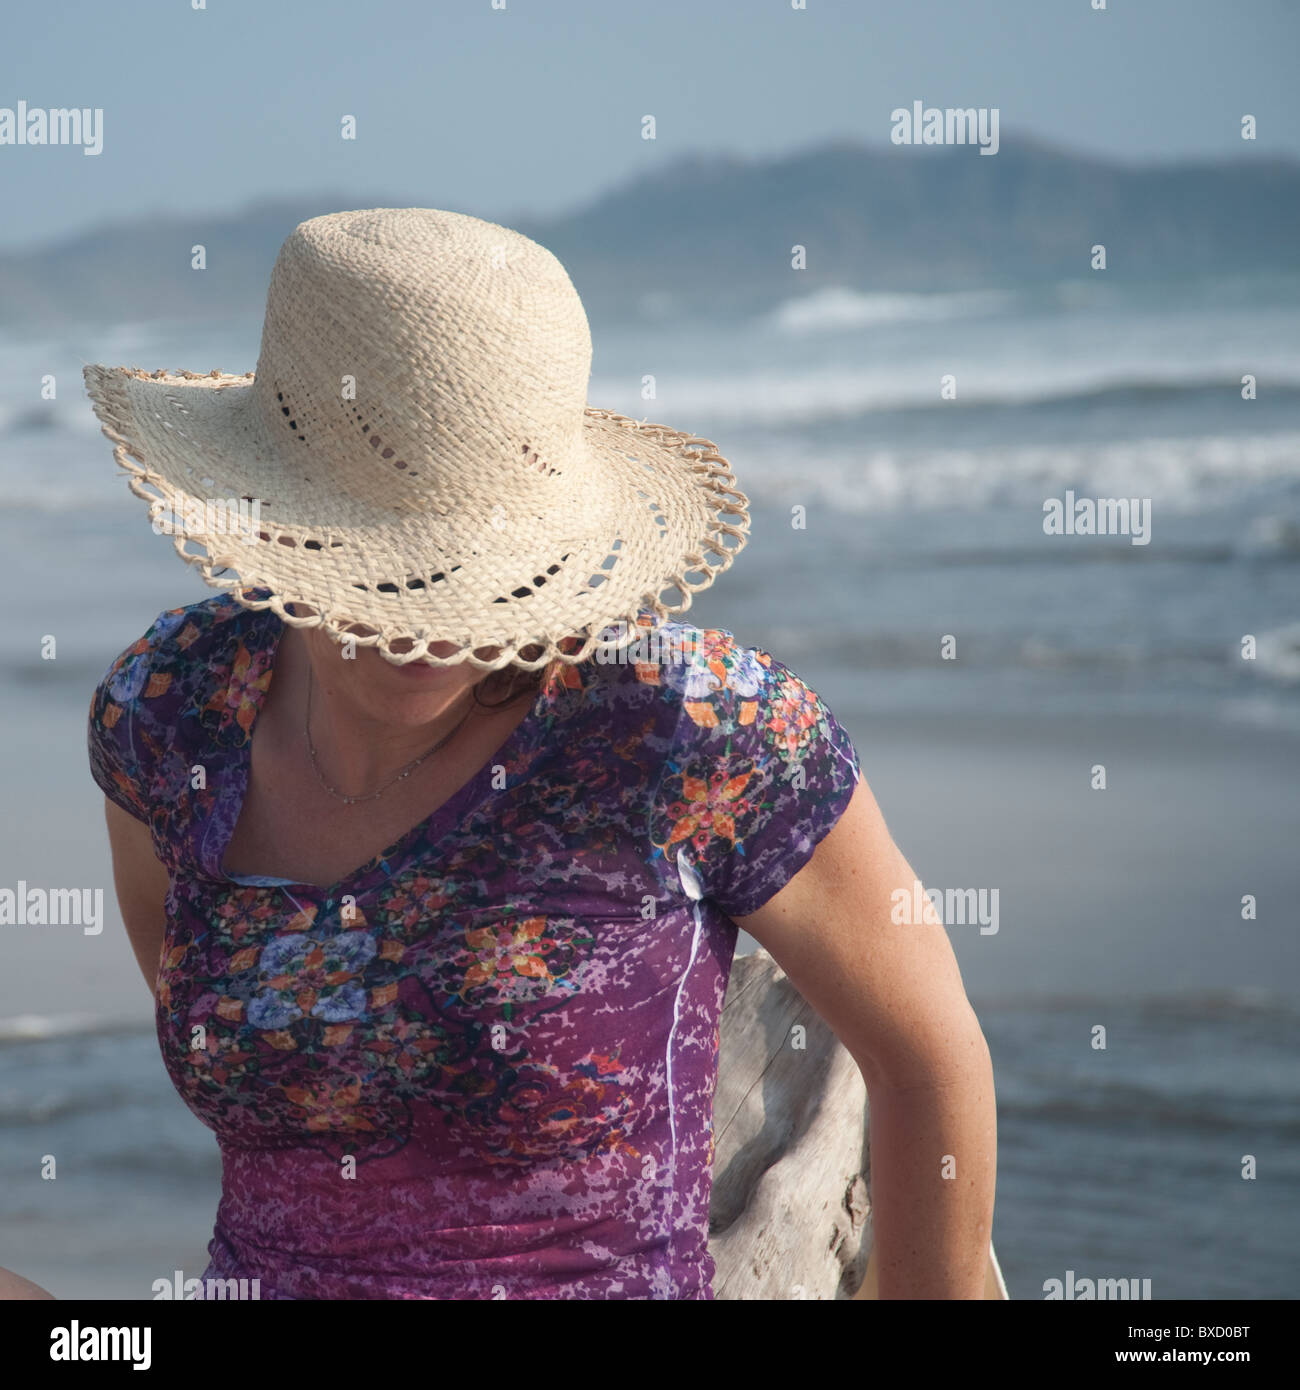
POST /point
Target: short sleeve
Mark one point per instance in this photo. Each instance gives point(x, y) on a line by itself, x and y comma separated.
point(760, 773)
point(120, 745)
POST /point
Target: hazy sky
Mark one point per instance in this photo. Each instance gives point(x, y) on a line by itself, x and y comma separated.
point(537, 107)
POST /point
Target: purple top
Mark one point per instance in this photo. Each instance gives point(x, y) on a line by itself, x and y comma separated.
point(482, 1065)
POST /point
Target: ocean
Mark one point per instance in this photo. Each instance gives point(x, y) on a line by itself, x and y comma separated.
point(898, 451)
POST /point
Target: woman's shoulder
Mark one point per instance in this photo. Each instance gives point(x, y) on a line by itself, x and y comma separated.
point(721, 701)
point(182, 666)
point(716, 685)
point(178, 641)
point(714, 678)
point(754, 767)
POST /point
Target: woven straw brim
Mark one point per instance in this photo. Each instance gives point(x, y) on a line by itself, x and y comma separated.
point(657, 511)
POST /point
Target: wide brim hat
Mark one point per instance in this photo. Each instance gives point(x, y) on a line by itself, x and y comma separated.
point(415, 455)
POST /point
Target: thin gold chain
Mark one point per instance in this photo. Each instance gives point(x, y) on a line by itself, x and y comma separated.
point(400, 776)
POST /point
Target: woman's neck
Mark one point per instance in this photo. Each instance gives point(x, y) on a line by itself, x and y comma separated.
point(357, 743)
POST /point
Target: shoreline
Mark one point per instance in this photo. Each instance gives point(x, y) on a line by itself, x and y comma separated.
point(1194, 816)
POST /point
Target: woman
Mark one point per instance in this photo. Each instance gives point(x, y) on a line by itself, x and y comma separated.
point(432, 833)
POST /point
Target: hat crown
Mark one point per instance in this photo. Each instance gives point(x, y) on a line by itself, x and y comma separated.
point(425, 359)
point(414, 461)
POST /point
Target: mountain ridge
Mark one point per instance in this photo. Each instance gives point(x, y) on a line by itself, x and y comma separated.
point(714, 233)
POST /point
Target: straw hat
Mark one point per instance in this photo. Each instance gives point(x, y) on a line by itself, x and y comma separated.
point(415, 453)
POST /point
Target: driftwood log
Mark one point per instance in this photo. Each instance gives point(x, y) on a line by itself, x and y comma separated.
point(790, 1216)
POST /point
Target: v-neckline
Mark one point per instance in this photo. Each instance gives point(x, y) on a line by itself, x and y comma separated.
point(434, 827)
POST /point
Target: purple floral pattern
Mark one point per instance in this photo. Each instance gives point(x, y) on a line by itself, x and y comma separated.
point(482, 1065)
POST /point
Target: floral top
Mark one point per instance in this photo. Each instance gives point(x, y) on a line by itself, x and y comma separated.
point(482, 1065)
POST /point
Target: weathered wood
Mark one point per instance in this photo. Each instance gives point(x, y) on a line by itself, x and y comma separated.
point(790, 1213)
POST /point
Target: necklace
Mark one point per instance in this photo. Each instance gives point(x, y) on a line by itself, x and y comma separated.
point(398, 777)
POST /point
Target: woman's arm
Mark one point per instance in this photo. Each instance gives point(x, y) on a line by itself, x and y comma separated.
point(14, 1286)
point(893, 995)
point(141, 883)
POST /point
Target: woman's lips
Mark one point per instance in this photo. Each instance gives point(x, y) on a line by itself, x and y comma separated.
point(422, 673)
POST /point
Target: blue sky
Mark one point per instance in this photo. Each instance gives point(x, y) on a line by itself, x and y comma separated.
point(537, 107)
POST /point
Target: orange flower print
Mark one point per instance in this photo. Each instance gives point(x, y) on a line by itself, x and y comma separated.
point(330, 1108)
point(702, 713)
point(506, 952)
point(565, 677)
point(415, 899)
point(791, 712)
point(708, 808)
point(242, 960)
point(236, 701)
point(714, 665)
point(408, 1046)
